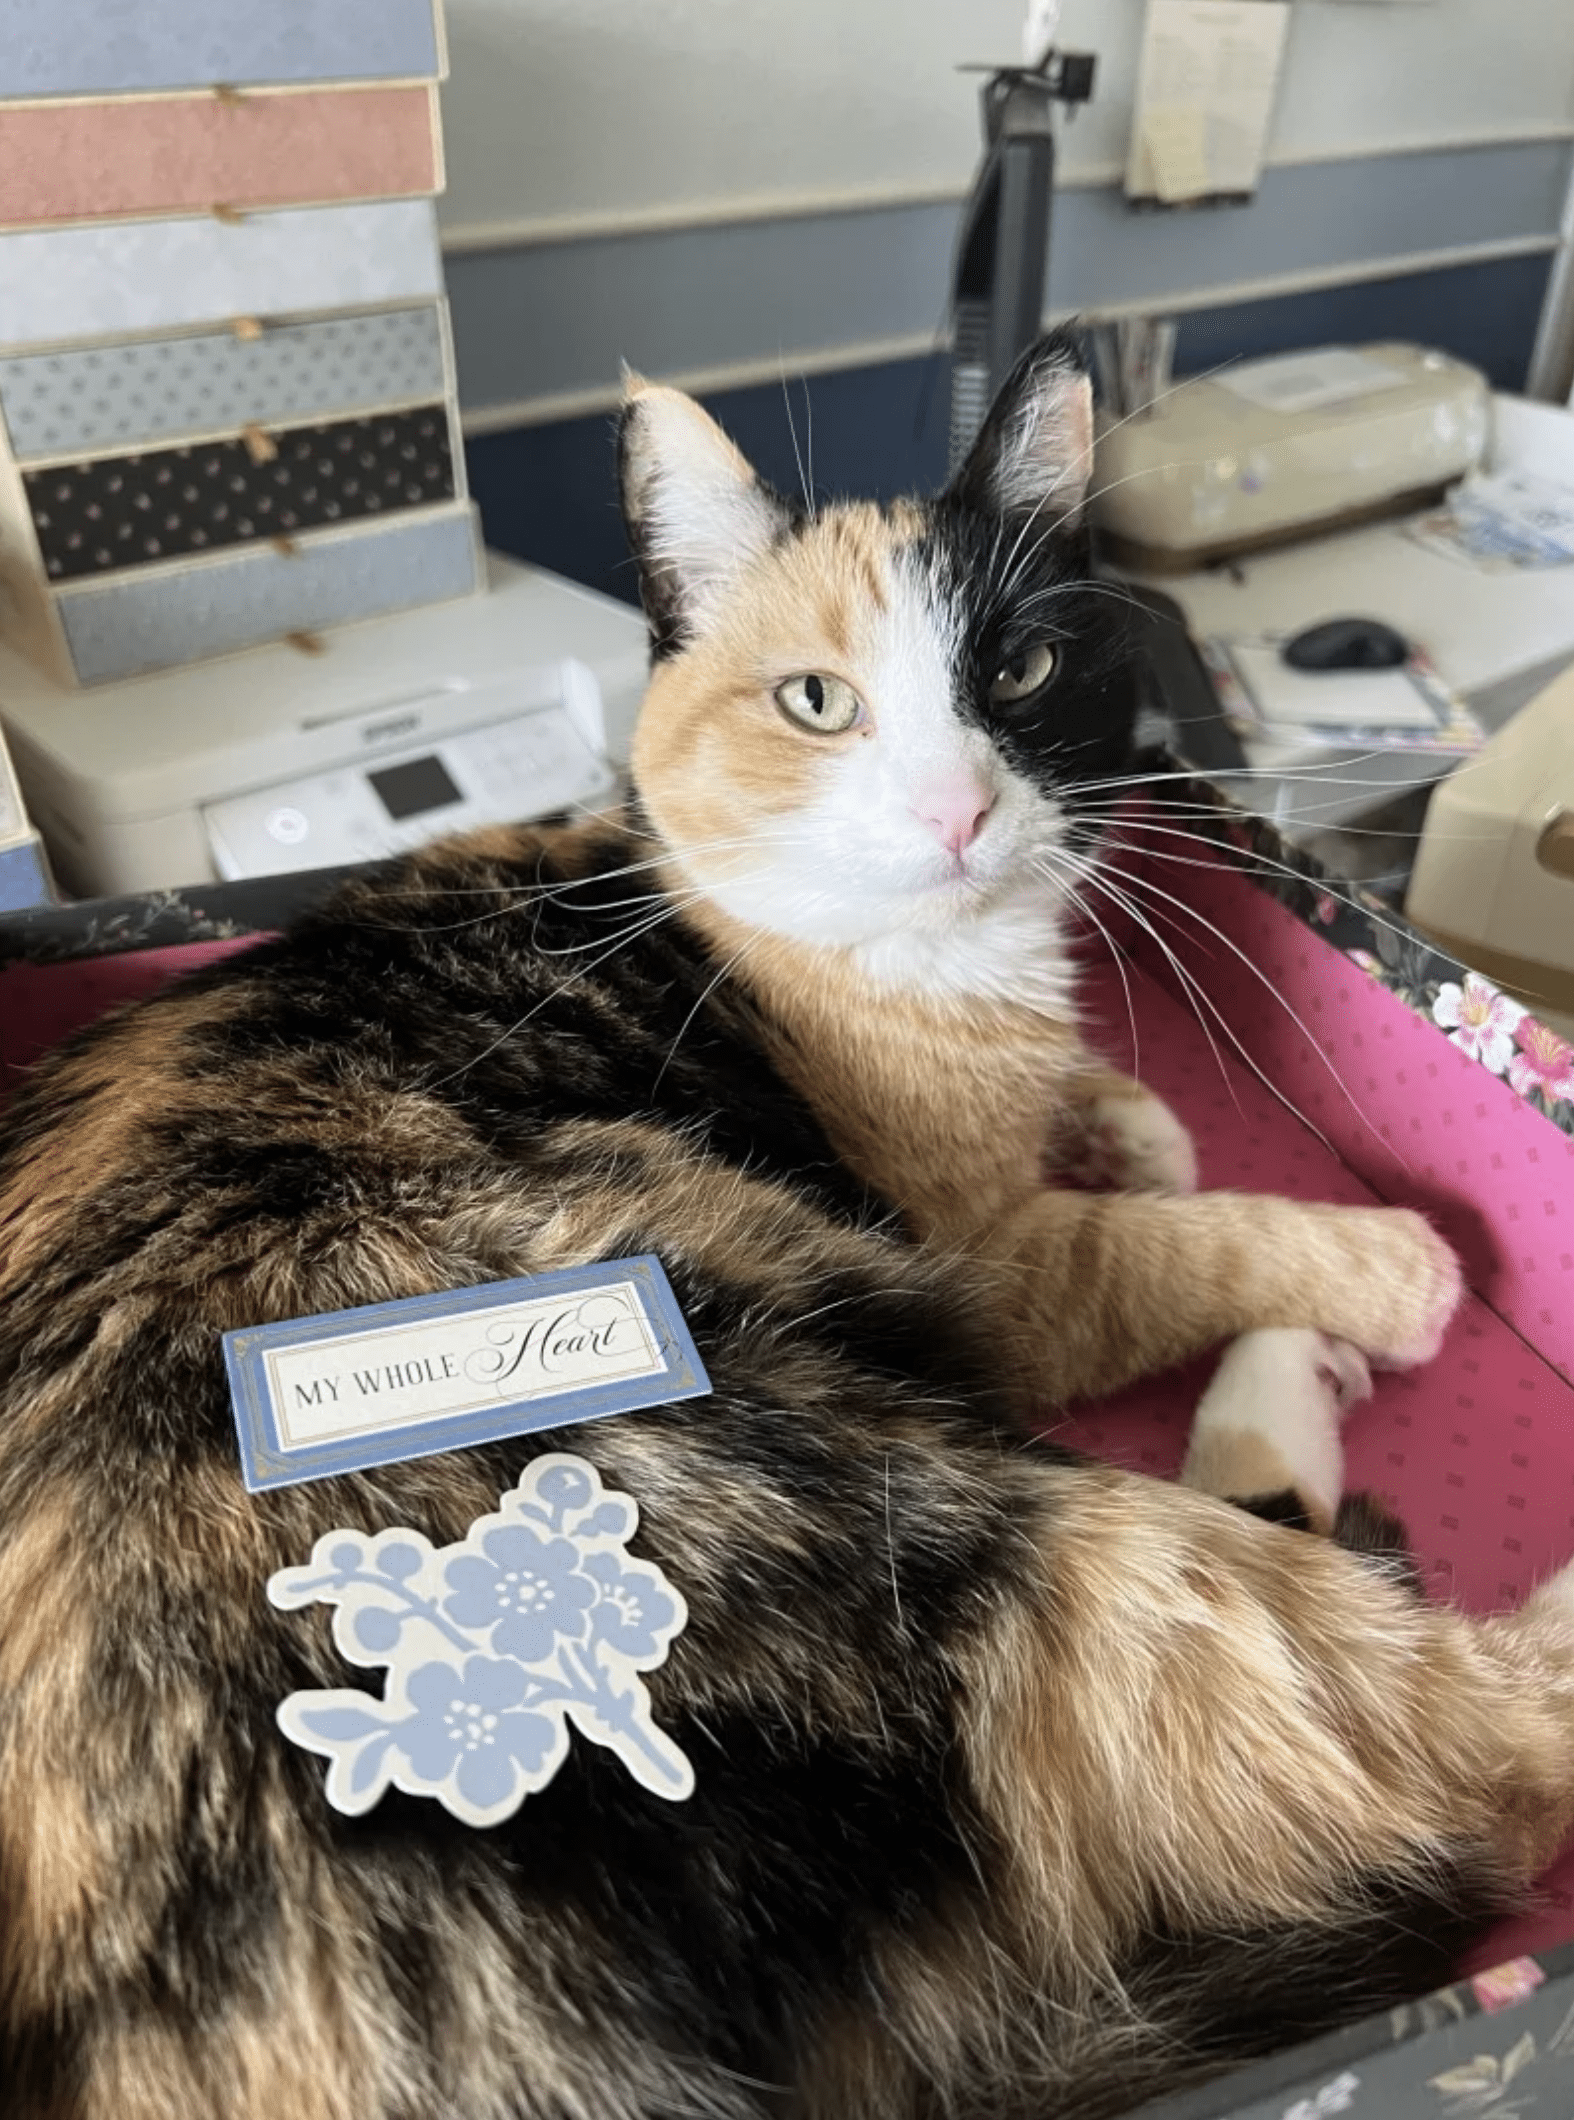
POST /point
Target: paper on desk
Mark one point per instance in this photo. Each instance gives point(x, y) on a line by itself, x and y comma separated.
point(1408, 709)
point(1502, 521)
point(1360, 699)
point(1205, 90)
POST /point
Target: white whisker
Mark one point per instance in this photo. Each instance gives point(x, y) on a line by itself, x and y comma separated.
point(735, 959)
point(667, 912)
point(1189, 985)
point(1147, 884)
point(1327, 886)
point(808, 497)
point(1118, 955)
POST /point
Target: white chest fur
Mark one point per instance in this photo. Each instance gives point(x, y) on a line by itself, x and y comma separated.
point(1014, 952)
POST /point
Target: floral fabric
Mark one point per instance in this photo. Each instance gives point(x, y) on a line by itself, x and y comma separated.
point(1495, 1031)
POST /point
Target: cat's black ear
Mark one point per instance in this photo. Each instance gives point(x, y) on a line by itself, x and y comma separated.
point(1034, 452)
point(697, 515)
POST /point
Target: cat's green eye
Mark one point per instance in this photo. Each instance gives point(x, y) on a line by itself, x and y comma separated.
point(823, 704)
point(1020, 677)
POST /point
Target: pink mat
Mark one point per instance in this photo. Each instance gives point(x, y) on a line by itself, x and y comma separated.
point(1476, 1451)
point(40, 1004)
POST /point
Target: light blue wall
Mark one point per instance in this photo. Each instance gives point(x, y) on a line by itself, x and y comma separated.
point(1452, 248)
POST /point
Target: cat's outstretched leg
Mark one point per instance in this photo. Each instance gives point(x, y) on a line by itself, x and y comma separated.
point(1266, 1431)
point(1094, 1289)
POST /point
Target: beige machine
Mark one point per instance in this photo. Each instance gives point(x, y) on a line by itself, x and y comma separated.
point(1494, 878)
point(1276, 449)
point(510, 705)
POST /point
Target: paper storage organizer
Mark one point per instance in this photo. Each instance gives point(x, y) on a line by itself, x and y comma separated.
point(149, 618)
point(154, 155)
point(153, 455)
point(1426, 1088)
point(96, 400)
point(223, 339)
point(107, 47)
point(113, 279)
point(113, 512)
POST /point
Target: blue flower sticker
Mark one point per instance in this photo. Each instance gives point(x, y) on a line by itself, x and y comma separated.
point(469, 1723)
point(535, 1620)
point(527, 1590)
point(635, 1610)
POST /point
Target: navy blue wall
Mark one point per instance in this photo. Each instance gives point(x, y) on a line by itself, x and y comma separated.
point(1483, 313)
point(549, 493)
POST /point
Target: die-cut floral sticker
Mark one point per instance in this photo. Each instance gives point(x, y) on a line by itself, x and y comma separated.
point(536, 1620)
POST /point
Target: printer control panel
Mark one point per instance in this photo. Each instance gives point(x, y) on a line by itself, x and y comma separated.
point(530, 764)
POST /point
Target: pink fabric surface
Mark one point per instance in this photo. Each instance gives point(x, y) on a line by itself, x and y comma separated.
point(1421, 1122)
point(42, 1003)
point(1476, 1451)
point(173, 154)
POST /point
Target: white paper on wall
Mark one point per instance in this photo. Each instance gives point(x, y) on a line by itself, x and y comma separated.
point(1039, 27)
point(1205, 92)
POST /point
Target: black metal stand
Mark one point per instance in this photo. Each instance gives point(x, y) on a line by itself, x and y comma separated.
point(1003, 256)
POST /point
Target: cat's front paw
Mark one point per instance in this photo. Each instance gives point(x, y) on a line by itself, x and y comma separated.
point(1402, 1285)
point(1133, 1143)
point(1269, 1421)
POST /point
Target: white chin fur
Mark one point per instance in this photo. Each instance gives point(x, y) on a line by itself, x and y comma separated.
point(963, 936)
point(1012, 951)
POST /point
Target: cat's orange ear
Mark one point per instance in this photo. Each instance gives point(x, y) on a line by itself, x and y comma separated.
point(1034, 452)
point(697, 515)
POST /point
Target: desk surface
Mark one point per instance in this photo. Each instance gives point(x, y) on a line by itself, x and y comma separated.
point(1496, 638)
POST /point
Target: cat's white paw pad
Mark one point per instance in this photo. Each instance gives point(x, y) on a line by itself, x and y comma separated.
point(1269, 1421)
point(1135, 1144)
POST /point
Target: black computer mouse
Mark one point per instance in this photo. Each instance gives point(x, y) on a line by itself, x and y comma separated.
point(1347, 644)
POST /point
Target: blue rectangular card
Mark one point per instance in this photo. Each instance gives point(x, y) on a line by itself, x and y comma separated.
point(358, 1388)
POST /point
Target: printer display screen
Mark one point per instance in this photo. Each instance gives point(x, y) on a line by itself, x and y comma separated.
point(419, 785)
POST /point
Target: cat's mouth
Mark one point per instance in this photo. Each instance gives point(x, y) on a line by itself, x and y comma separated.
point(976, 871)
point(958, 873)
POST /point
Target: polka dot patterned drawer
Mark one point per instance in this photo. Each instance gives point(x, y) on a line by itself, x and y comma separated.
point(112, 280)
point(174, 154)
point(125, 511)
point(60, 406)
point(109, 47)
point(151, 617)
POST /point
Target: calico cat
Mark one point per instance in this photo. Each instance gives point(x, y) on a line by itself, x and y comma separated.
point(1023, 1786)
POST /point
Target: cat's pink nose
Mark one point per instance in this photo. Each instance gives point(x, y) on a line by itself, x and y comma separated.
point(954, 811)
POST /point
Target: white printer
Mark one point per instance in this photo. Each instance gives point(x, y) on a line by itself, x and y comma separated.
point(501, 707)
point(1276, 450)
point(1494, 876)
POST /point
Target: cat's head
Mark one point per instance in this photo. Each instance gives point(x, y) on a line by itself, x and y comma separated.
point(870, 721)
